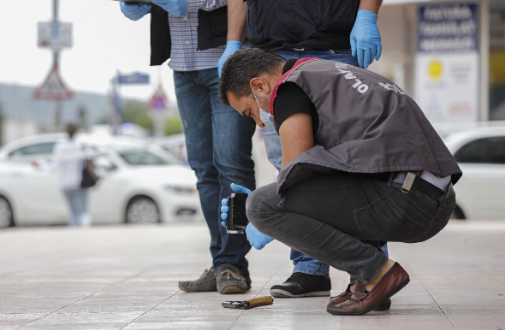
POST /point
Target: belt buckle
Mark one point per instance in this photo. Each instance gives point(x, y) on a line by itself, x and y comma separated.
point(409, 181)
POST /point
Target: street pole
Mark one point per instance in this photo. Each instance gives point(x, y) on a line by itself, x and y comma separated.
point(55, 105)
point(56, 36)
point(484, 60)
point(116, 115)
point(159, 122)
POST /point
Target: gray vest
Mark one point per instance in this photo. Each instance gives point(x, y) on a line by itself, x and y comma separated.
point(367, 124)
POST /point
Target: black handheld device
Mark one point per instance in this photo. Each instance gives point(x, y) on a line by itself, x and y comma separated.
point(237, 220)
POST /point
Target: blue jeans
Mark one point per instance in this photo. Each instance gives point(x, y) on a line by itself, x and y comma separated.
point(303, 263)
point(219, 146)
point(78, 202)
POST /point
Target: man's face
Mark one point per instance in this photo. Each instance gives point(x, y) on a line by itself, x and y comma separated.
point(248, 107)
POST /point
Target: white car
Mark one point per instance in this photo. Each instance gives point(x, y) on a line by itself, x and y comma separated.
point(480, 152)
point(138, 183)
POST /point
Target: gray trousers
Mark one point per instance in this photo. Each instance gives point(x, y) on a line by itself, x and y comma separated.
point(333, 218)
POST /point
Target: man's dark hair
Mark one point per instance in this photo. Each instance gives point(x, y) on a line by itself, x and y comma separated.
point(241, 67)
point(71, 130)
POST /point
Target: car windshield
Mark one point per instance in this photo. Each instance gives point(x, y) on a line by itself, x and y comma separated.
point(145, 158)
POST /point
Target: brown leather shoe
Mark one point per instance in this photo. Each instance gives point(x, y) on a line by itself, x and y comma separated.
point(362, 302)
point(346, 295)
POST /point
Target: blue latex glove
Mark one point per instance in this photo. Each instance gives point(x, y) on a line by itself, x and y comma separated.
point(255, 238)
point(231, 47)
point(365, 38)
point(133, 11)
point(224, 203)
point(175, 7)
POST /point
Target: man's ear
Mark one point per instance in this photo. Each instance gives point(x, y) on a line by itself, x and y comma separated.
point(260, 84)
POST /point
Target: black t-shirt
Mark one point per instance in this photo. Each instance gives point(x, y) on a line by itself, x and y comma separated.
point(292, 99)
point(288, 24)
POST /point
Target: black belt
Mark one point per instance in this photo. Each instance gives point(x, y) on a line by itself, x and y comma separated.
point(409, 180)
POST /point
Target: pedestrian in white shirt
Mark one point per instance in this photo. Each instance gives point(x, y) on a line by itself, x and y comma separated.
point(70, 161)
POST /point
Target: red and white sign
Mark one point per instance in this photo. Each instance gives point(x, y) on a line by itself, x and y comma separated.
point(55, 35)
point(53, 88)
point(159, 100)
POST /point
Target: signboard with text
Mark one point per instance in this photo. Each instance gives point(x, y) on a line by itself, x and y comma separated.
point(55, 35)
point(136, 78)
point(447, 63)
point(448, 28)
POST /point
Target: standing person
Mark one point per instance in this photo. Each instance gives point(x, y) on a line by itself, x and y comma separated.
point(340, 30)
point(192, 33)
point(70, 160)
point(360, 162)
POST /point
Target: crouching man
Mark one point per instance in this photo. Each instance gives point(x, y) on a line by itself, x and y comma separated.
point(361, 164)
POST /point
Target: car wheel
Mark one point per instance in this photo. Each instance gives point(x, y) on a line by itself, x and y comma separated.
point(458, 214)
point(142, 210)
point(6, 216)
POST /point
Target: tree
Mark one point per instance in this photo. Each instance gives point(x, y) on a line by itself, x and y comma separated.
point(138, 113)
point(173, 126)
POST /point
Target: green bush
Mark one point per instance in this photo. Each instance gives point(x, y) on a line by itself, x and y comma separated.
point(138, 113)
point(173, 126)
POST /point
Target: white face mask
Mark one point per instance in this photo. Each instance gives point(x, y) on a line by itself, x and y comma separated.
point(265, 117)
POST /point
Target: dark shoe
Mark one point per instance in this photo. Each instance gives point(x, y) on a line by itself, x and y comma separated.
point(229, 280)
point(346, 295)
point(362, 302)
point(206, 283)
point(300, 285)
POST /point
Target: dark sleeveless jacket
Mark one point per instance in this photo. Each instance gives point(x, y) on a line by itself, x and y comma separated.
point(212, 29)
point(316, 24)
point(367, 124)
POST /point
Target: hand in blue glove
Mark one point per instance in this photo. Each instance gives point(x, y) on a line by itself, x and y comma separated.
point(133, 11)
point(224, 203)
point(255, 238)
point(175, 7)
point(231, 47)
point(365, 38)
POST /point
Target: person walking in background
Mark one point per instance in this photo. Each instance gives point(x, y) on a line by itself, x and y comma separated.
point(192, 33)
point(339, 30)
point(70, 172)
point(69, 160)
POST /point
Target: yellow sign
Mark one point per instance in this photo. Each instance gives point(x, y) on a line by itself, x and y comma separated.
point(435, 69)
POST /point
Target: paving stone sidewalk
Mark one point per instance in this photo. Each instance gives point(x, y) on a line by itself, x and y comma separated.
point(125, 277)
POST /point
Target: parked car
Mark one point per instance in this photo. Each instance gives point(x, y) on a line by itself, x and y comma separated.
point(480, 152)
point(139, 183)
